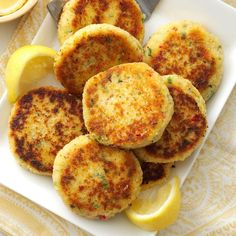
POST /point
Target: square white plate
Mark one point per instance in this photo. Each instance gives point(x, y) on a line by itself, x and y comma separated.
point(219, 18)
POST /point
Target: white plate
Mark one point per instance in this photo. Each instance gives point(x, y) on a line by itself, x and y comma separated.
point(217, 17)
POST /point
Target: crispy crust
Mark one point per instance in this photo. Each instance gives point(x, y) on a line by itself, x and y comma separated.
point(186, 129)
point(154, 174)
point(127, 106)
point(41, 123)
point(96, 181)
point(77, 14)
point(91, 50)
point(187, 49)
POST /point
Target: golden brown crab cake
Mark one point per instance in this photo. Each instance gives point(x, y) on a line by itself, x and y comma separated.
point(91, 50)
point(42, 121)
point(187, 49)
point(127, 106)
point(154, 173)
point(77, 14)
point(186, 129)
point(94, 180)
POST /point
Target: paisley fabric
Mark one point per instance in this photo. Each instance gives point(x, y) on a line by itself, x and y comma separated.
point(208, 195)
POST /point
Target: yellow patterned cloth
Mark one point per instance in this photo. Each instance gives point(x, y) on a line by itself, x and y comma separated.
point(209, 199)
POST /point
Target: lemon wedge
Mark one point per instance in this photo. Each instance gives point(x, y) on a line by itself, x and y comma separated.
point(155, 210)
point(27, 65)
point(9, 6)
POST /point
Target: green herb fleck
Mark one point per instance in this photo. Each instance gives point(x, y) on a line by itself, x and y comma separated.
point(149, 51)
point(169, 80)
point(106, 185)
point(219, 47)
point(38, 145)
point(143, 18)
point(96, 205)
point(120, 81)
point(103, 180)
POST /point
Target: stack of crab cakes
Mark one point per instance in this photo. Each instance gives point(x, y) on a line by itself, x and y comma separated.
point(126, 107)
point(95, 36)
point(161, 118)
point(187, 128)
point(126, 115)
point(93, 49)
point(183, 134)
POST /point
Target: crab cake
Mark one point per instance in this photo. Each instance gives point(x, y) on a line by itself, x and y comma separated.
point(91, 50)
point(127, 106)
point(154, 173)
point(94, 180)
point(186, 129)
point(186, 48)
point(41, 123)
point(77, 14)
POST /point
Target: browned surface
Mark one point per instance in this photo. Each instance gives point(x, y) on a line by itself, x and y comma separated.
point(91, 56)
point(186, 127)
point(43, 121)
point(132, 107)
point(152, 171)
point(185, 55)
point(129, 15)
point(98, 183)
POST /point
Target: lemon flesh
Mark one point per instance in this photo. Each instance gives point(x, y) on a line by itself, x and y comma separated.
point(156, 210)
point(27, 65)
point(9, 6)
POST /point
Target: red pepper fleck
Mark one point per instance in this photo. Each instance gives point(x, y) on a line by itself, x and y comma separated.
point(101, 217)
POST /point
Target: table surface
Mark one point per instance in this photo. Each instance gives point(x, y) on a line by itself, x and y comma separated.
point(7, 29)
point(223, 223)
